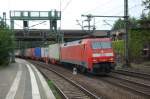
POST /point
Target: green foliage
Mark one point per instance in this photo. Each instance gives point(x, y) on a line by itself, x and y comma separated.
point(133, 22)
point(52, 87)
point(6, 44)
point(146, 3)
point(143, 16)
point(119, 47)
point(137, 39)
point(135, 44)
point(120, 24)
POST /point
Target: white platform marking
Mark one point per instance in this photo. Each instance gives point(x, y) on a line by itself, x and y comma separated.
point(12, 92)
point(35, 89)
point(47, 90)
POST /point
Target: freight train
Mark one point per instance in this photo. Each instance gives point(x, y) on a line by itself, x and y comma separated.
point(93, 55)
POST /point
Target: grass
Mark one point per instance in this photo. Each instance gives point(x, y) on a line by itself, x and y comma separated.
point(52, 87)
point(144, 64)
point(4, 63)
point(3, 66)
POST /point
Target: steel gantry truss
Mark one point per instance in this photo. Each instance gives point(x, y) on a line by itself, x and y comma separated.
point(26, 16)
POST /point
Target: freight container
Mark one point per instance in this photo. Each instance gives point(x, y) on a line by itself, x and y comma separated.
point(28, 53)
point(46, 51)
point(37, 52)
point(32, 53)
point(22, 53)
point(25, 53)
point(54, 52)
point(42, 52)
point(17, 53)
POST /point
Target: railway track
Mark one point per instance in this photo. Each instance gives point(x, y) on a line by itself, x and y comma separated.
point(130, 81)
point(103, 87)
point(68, 88)
point(133, 73)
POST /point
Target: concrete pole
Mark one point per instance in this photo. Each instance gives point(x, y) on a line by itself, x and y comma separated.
point(126, 18)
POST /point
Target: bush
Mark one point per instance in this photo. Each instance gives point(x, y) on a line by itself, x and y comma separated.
point(137, 39)
point(6, 45)
point(118, 47)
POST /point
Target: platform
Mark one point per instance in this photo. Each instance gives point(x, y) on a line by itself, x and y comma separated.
point(21, 80)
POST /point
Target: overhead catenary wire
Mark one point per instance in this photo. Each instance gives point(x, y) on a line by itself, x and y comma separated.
point(98, 6)
point(30, 26)
point(100, 20)
point(116, 14)
point(37, 24)
point(107, 2)
point(68, 3)
point(106, 15)
point(137, 5)
point(18, 25)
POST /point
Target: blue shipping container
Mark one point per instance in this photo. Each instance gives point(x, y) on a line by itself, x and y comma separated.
point(37, 52)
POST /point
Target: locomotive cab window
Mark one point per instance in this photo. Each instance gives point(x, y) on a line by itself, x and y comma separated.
point(97, 45)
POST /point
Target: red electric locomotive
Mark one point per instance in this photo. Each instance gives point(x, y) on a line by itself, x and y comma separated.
point(95, 55)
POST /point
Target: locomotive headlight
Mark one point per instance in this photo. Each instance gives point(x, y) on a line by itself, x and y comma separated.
point(94, 60)
point(111, 59)
point(108, 54)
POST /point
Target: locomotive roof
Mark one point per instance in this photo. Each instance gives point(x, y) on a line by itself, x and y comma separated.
point(97, 39)
point(83, 41)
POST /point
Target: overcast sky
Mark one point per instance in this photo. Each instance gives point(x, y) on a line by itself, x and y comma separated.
point(72, 10)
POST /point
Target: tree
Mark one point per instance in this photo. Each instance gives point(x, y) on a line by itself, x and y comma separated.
point(120, 24)
point(143, 16)
point(144, 21)
point(148, 17)
point(7, 44)
point(146, 3)
point(133, 22)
